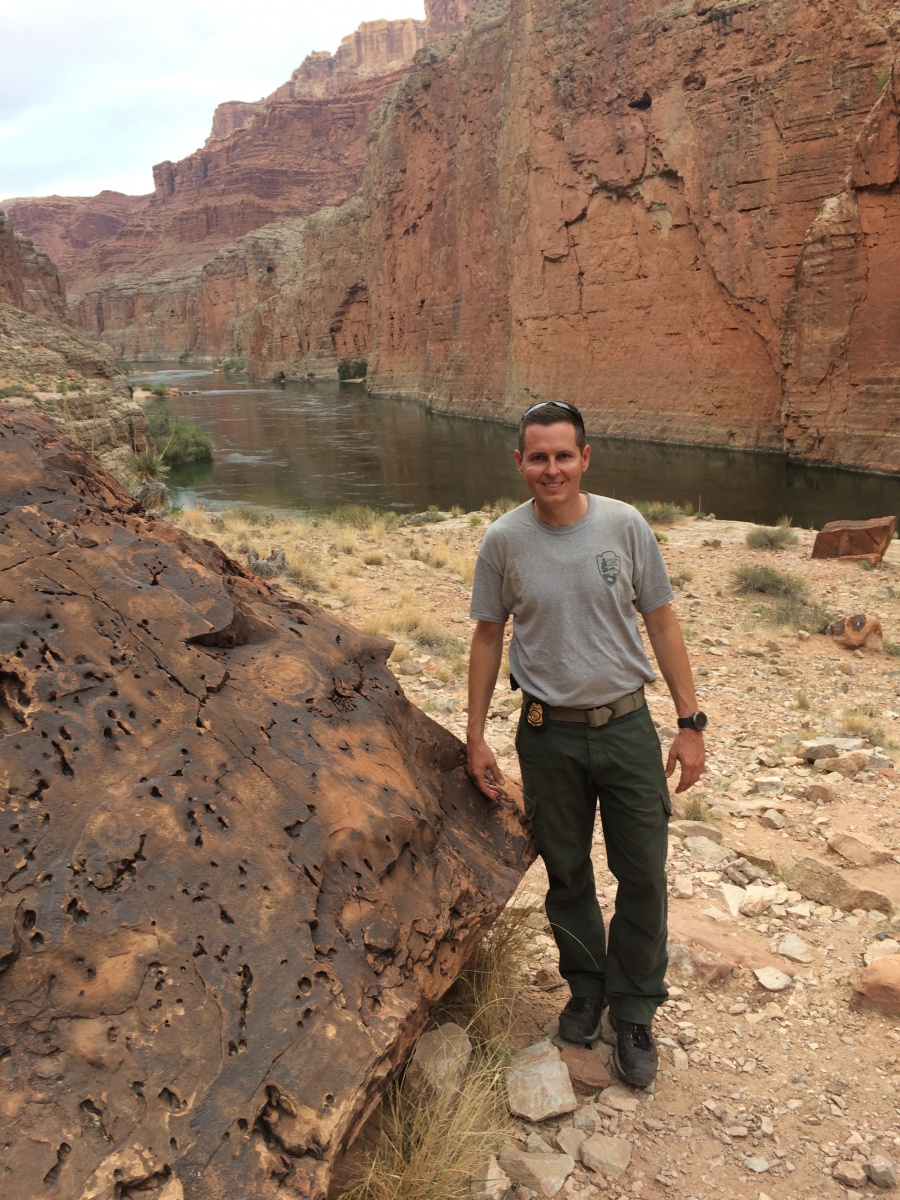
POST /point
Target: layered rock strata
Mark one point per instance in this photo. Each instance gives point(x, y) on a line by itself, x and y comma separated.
point(65, 226)
point(49, 366)
point(239, 864)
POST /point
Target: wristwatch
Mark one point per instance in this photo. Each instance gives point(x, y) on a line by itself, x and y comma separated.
point(697, 720)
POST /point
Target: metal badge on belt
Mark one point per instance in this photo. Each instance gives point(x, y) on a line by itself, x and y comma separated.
point(535, 714)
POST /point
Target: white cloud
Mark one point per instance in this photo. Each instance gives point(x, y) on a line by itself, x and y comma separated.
point(94, 92)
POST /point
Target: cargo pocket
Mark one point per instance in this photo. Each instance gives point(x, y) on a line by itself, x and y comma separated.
point(667, 801)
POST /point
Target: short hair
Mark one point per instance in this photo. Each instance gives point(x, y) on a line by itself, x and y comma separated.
point(551, 412)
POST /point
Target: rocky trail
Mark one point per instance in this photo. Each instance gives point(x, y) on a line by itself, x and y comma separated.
point(777, 1081)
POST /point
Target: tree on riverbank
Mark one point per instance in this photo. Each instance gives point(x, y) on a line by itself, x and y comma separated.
point(179, 441)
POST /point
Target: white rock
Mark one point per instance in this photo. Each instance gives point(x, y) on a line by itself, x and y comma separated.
point(490, 1181)
point(543, 1173)
point(440, 1059)
point(682, 887)
point(772, 979)
point(686, 829)
point(881, 1171)
point(706, 851)
point(538, 1084)
point(619, 1098)
point(756, 1164)
point(876, 950)
point(795, 949)
point(731, 896)
point(609, 1155)
point(772, 819)
point(769, 785)
point(680, 1060)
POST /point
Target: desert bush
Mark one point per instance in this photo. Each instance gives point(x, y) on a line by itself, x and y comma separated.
point(345, 541)
point(16, 389)
point(475, 521)
point(685, 575)
point(504, 505)
point(697, 809)
point(800, 614)
point(233, 366)
point(352, 368)
point(772, 537)
point(373, 558)
point(147, 467)
point(863, 722)
point(158, 389)
point(178, 441)
point(802, 700)
point(302, 568)
point(658, 512)
point(185, 357)
point(360, 516)
point(713, 543)
point(754, 577)
point(456, 511)
point(892, 648)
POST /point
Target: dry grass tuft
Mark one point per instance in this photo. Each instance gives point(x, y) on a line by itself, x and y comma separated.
point(373, 558)
point(772, 537)
point(429, 1147)
point(697, 809)
point(862, 722)
point(658, 512)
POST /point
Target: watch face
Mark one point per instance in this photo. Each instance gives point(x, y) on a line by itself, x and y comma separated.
point(700, 721)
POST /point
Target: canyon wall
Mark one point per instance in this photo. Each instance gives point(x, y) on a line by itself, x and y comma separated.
point(28, 279)
point(65, 226)
point(676, 216)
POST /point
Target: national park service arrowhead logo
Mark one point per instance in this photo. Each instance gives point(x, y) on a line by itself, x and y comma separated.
point(609, 564)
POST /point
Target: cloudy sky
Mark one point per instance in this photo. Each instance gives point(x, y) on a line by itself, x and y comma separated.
point(94, 92)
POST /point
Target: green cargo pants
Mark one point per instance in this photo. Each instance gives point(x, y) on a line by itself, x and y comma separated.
point(566, 768)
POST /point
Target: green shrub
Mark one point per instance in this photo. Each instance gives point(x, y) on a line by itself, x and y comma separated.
point(158, 389)
point(882, 80)
point(658, 512)
point(352, 368)
point(185, 357)
point(360, 516)
point(233, 366)
point(16, 390)
point(799, 613)
point(753, 577)
point(504, 505)
point(892, 648)
point(772, 537)
point(475, 521)
point(179, 441)
point(147, 467)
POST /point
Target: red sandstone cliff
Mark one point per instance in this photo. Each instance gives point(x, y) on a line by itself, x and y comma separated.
point(28, 279)
point(64, 226)
point(680, 219)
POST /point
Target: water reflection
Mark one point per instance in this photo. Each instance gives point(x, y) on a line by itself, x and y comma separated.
point(320, 444)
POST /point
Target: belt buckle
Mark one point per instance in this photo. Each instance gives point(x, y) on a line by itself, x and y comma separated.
point(598, 717)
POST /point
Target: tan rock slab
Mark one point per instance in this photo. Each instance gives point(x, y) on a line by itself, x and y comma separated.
point(726, 947)
point(856, 541)
point(619, 1098)
point(878, 987)
point(850, 1173)
point(859, 849)
point(543, 1173)
point(606, 1155)
point(538, 1085)
point(490, 1181)
point(883, 949)
point(846, 765)
point(820, 881)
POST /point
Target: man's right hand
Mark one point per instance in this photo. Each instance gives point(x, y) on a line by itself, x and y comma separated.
point(483, 770)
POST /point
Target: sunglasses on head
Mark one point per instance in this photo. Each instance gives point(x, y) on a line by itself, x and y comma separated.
point(556, 404)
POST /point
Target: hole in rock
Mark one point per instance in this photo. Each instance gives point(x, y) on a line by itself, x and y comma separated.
point(642, 103)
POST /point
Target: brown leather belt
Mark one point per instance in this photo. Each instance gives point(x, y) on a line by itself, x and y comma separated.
point(596, 718)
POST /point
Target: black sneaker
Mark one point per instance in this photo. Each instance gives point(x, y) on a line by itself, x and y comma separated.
point(635, 1054)
point(580, 1020)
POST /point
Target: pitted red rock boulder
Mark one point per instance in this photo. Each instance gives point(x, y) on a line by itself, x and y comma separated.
point(237, 865)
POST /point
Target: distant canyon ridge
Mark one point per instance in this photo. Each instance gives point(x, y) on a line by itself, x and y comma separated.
point(682, 217)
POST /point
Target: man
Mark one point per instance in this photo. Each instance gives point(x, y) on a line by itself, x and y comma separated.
point(574, 570)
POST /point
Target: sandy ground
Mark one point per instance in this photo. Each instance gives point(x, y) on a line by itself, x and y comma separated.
point(789, 1082)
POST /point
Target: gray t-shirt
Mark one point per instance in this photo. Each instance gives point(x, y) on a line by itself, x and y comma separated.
point(574, 592)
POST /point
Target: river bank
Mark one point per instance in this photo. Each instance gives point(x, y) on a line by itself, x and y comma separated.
point(780, 1078)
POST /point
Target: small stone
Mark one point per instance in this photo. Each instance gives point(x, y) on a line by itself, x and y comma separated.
point(440, 1059)
point(682, 887)
point(759, 1165)
point(570, 1141)
point(881, 1171)
point(795, 949)
point(407, 667)
point(608, 1155)
point(686, 829)
point(543, 1173)
point(706, 851)
point(757, 898)
point(851, 1174)
point(680, 1060)
point(772, 819)
point(538, 1085)
point(490, 1181)
point(587, 1069)
point(587, 1118)
point(618, 1098)
point(819, 793)
point(880, 949)
point(731, 896)
point(772, 979)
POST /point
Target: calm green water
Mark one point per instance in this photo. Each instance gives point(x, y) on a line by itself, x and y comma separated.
point(320, 444)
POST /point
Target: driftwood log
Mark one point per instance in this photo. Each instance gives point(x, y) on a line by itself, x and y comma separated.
point(236, 865)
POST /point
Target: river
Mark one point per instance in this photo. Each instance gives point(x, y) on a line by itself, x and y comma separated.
point(320, 444)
